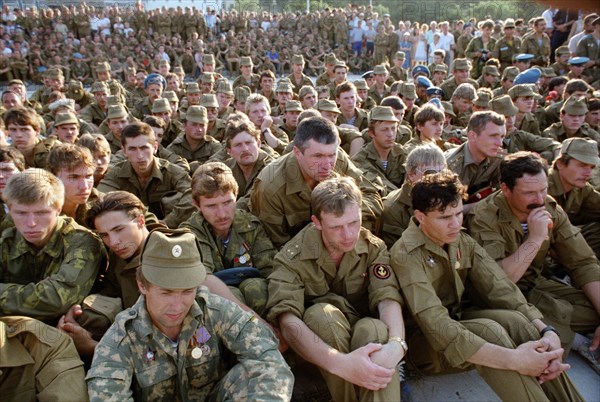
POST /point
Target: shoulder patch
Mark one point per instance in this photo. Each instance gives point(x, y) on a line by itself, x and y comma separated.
point(381, 271)
point(292, 250)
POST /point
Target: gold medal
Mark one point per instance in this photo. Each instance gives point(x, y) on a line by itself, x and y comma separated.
point(196, 353)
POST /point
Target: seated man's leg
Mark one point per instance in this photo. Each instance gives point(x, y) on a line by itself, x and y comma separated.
point(370, 330)
point(510, 329)
point(332, 326)
point(255, 294)
point(565, 308)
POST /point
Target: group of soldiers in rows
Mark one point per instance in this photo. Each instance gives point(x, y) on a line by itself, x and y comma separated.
point(186, 235)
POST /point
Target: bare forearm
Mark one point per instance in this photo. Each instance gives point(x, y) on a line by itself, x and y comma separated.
point(390, 313)
point(592, 291)
point(517, 263)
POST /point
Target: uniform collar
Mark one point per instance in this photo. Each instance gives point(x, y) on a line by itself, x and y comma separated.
point(293, 175)
point(12, 352)
point(52, 248)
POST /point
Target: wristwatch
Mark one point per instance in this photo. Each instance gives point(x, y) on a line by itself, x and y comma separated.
point(401, 341)
point(549, 328)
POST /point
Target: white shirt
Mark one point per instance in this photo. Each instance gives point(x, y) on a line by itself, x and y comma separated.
point(446, 41)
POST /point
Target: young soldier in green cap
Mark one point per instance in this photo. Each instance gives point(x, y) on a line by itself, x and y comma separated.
point(162, 186)
point(307, 97)
point(568, 184)
point(519, 140)
point(103, 73)
point(54, 80)
point(572, 122)
point(561, 57)
point(364, 101)
point(66, 127)
point(225, 99)
point(283, 93)
point(460, 75)
point(192, 97)
point(172, 342)
point(279, 195)
point(23, 127)
point(508, 45)
point(215, 126)
point(489, 77)
point(38, 362)
point(328, 75)
point(328, 284)
point(380, 89)
point(520, 227)
point(206, 82)
point(515, 352)
point(297, 78)
point(233, 244)
point(116, 120)
point(95, 112)
point(382, 158)
point(266, 87)
point(397, 73)
point(506, 81)
point(524, 98)
point(247, 77)
point(48, 262)
point(290, 118)
point(162, 108)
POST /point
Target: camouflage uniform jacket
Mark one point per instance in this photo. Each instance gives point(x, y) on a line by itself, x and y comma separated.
point(530, 44)
point(497, 230)
point(281, 198)
point(368, 160)
point(304, 274)
point(44, 283)
point(167, 193)
point(135, 361)
point(249, 245)
point(39, 363)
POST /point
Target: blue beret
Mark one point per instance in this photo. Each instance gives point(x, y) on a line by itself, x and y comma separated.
point(578, 61)
point(155, 78)
point(435, 91)
point(437, 103)
point(420, 69)
point(529, 76)
point(77, 56)
point(524, 57)
point(423, 81)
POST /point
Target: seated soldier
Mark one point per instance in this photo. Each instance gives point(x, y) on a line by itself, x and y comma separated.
point(246, 158)
point(47, 262)
point(23, 128)
point(429, 126)
point(163, 187)
point(66, 127)
point(446, 279)
point(258, 111)
point(233, 244)
point(74, 166)
point(382, 158)
point(351, 139)
point(476, 161)
point(11, 162)
point(173, 128)
point(328, 285)
point(185, 334)
point(462, 103)
point(281, 191)
point(346, 98)
point(568, 184)
point(520, 226)
point(116, 120)
point(397, 206)
point(39, 363)
point(159, 126)
point(100, 149)
point(96, 112)
point(194, 144)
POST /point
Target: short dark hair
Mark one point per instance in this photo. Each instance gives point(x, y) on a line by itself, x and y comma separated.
point(318, 129)
point(515, 166)
point(154, 121)
point(479, 120)
point(8, 155)
point(115, 201)
point(577, 85)
point(136, 129)
point(437, 191)
point(394, 102)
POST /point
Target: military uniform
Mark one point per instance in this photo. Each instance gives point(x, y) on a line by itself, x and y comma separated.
point(167, 194)
point(582, 206)
point(135, 360)
point(505, 49)
point(323, 80)
point(368, 160)
point(39, 363)
point(520, 140)
point(588, 47)
point(247, 246)
point(281, 199)
point(446, 330)
point(209, 147)
point(376, 95)
point(397, 75)
point(476, 45)
point(296, 85)
point(474, 176)
point(397, 211)
point(361, 119)
point(245, 185)
point(450, 85)
point(557, 132)
point(493, 225)
point(45, 283)
point(541, 51)
point(252, 84)
point(306, 283)
point(93, 114)
point(217, 131)
point(143, 108)
point(40, 152)
point(530, 124)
